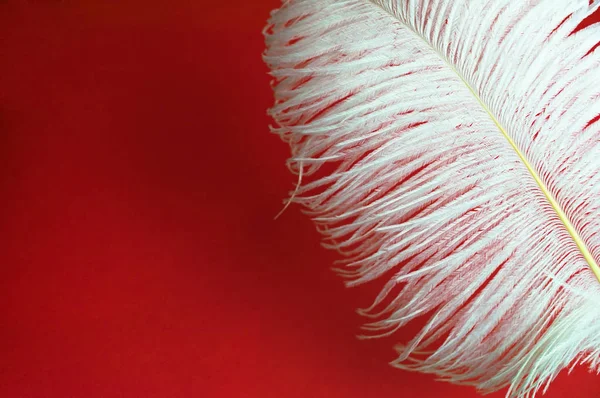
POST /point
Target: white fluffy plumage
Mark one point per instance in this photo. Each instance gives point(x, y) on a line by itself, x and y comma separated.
point(451, 149)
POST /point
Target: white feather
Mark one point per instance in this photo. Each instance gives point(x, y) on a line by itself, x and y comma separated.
point(467, 172)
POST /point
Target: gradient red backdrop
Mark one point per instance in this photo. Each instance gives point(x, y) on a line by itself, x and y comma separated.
point(139, 256)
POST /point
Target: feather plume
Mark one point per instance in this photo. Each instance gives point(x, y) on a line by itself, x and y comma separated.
point(451, 150)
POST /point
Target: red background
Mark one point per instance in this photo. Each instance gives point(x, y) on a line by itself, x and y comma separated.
point(139, 256)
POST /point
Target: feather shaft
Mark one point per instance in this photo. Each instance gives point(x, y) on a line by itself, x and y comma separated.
point(587, 255)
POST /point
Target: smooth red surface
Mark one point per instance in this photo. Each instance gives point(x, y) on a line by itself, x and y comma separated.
point(139, 257)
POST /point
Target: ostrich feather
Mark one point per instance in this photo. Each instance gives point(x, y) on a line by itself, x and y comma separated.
point(450, 149)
